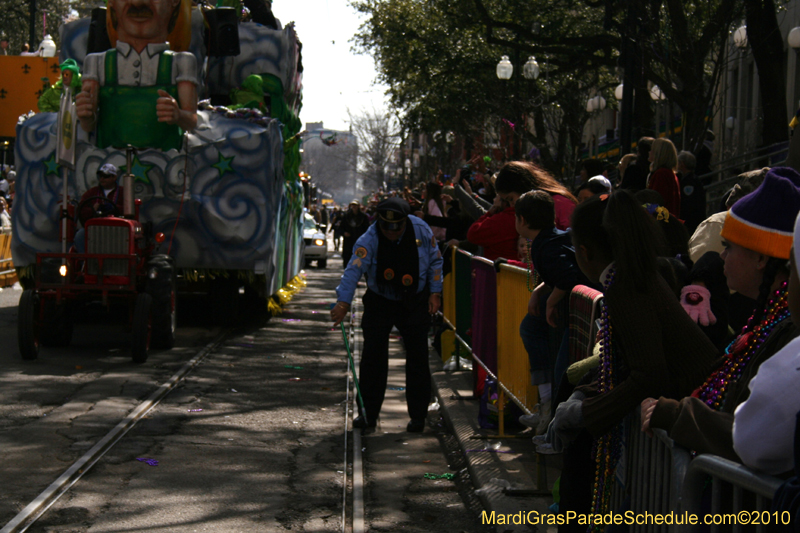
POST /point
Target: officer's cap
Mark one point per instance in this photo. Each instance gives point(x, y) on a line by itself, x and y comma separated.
point(108, 169)
point(392, 212)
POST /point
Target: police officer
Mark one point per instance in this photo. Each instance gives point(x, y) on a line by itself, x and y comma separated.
point(403, 265)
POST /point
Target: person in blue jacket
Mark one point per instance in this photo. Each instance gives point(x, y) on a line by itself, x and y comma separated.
point(403, 265)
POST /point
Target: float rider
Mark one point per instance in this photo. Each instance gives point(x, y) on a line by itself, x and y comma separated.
point(139, 93)
point(50, 101)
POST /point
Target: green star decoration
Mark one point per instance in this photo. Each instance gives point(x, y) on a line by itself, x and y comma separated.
point(139, 170)
point(224, 165)
point(51, 165)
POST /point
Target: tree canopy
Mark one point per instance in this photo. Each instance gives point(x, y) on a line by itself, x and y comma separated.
point(16, 21)
point(438, 57)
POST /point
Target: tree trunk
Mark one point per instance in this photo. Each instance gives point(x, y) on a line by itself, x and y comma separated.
point(765, 39)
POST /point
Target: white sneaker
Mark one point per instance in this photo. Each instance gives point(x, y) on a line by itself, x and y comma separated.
point(531, 421)
point(544, 418)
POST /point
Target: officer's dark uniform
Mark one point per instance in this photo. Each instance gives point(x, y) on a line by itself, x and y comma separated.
point(395, 298)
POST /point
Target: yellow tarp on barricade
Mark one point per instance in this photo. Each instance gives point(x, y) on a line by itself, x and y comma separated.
point(513, 368)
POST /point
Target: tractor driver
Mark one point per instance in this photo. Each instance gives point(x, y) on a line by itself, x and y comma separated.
point(106, 188)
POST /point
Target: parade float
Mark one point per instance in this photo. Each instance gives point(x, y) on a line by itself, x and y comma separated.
point(222, 202)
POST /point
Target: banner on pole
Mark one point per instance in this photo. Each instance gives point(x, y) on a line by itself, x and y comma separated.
point(66, 141)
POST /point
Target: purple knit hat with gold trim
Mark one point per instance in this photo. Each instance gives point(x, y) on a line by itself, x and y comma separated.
point(763, 221)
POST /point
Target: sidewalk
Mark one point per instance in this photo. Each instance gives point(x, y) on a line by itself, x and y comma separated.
point(493, 463)
point(396, 460)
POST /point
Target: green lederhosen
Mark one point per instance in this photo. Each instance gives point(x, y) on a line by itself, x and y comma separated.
point(128, 114)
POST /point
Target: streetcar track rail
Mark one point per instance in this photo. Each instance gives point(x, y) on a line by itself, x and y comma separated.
point(352, 514)
point(34, 510)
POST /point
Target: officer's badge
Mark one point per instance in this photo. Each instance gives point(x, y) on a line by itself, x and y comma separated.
point(688, 190)
point(390, 215)
point(408, 280)
point(361, 252)
point(419, 243)
point(388, 274)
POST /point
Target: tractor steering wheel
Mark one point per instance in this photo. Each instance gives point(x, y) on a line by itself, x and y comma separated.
point(104, 201)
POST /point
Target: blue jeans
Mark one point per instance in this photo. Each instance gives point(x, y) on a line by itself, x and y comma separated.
point(536, 333)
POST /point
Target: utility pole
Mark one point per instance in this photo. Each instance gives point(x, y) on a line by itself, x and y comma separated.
point(32, 37)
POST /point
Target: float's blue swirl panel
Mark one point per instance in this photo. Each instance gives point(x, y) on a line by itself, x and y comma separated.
point(234, 187)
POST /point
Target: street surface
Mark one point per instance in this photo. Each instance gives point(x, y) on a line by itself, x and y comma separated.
point(251, 441)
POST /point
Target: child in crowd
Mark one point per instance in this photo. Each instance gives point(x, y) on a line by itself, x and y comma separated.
point(595, 185)
point(758, 239)
point(553, 260)
point(764, 425)
point(648, 344)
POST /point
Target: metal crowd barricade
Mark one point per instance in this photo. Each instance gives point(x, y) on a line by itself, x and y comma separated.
point(484, 321)
point(513, 367)
point(651, 474)
point(8, 275)
point(463, 283)
point(734, 489)
point(457, 303)
point(449, 306)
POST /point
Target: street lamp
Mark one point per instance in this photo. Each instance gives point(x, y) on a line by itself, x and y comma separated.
point(657, 94)
point(597, 103)
point(618, 91)
point(531, 69)
point(794, 38)
point(504, 68)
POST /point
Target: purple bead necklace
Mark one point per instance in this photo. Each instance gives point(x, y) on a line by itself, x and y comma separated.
point(741, 350)
point(531, 271)
point(607, 447)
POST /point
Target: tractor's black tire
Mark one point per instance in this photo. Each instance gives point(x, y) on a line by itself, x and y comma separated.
point(141, 330)
point(223, 301)
point(28, 325)
point(165, 299)
point(322, 263)
point(57, 325)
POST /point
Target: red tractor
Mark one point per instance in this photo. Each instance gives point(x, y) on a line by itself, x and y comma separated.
point(119, 265)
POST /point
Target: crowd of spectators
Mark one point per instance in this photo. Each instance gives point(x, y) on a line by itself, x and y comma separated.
point(8, 179)
point(696, 314)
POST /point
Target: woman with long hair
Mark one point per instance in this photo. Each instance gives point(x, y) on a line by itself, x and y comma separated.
point(648, 343)
point(518, 177)
point(435, 206)
point(663, 164)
